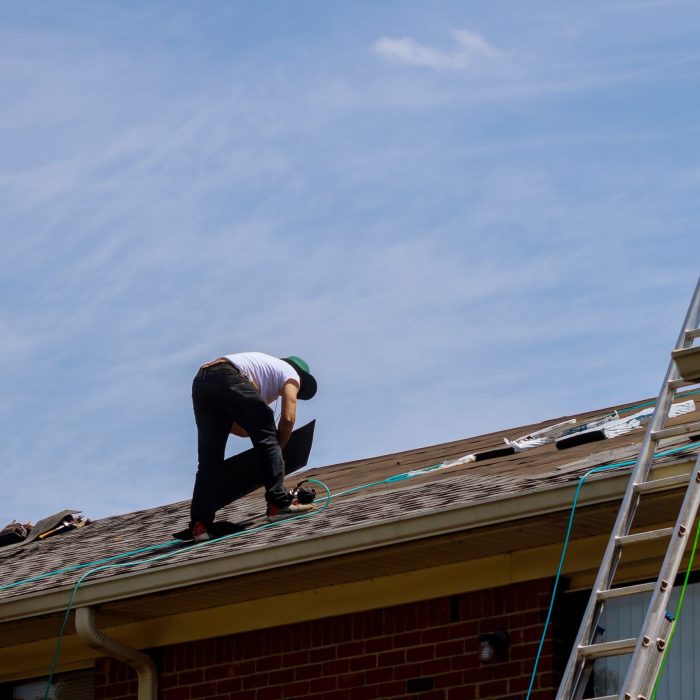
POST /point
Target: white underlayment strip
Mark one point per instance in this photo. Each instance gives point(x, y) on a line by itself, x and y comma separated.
point(630, 423)
point(612, 425)
point(540, 437)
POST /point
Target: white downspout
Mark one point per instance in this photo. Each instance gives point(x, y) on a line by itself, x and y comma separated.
point(90, 635)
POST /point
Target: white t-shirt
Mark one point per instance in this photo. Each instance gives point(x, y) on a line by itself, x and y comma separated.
point(268, 373)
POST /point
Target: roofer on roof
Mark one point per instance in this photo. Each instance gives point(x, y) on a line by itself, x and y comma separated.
point(231, 395)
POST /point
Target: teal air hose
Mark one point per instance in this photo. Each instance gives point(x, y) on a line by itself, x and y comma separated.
point(160, 557)
point(108, 562)
point(567, 537)
point(162, 545)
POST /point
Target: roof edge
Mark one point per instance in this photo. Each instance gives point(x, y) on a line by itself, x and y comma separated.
point(601, 488)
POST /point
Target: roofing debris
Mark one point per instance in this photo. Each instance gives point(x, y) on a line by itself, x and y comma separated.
point(24, 533)
point(566, 434)
point(14, 532)
point(457, 473)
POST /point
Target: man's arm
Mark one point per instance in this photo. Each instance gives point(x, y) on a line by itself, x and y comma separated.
point(289, 411)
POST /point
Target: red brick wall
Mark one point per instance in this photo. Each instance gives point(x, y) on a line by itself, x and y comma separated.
point(426, 650)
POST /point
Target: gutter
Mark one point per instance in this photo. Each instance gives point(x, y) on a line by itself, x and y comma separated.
point(91, 636)
point(501, 509)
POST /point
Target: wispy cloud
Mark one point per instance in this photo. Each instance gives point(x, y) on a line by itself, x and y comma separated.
point(470, 47)
point(466, 258)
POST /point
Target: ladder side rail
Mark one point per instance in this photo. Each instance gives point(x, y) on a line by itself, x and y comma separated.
point(692, 319)
point(647, 656)
point(594, 609)
point(613, 551)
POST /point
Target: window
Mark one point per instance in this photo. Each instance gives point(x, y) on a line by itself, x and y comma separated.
point(78, 685)
point(623, 618)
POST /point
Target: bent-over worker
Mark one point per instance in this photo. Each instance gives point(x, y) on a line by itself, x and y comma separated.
point(231, 395)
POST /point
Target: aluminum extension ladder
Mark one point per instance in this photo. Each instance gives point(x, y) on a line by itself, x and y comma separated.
point(648, 648)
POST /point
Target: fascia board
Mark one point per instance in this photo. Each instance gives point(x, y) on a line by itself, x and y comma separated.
point(600, 488)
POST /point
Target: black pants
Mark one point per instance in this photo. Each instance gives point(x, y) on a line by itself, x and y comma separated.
point(220, 396)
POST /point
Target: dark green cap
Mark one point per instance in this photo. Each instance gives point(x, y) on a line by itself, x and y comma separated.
point(308, 387)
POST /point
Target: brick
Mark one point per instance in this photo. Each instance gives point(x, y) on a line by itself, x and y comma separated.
point(350, 649)
point(177, 694)
point(420, 654)
point(272, 693)
point(407, 639)
point(115, 690)
point(436, 666)
point(391, 658)
point(448, 680)
point(296, 690)
point(323, 684)
point(242, 668)
point(405, 672)
point(336, 695)
point(203, 691)
point(528, 651)
point(305, 673)
point(351, 680)
point(224, 650)
point(520, 684)
point(334, 668)
point(363, 663)
point(372, 646)
point(323, 654)
point(464, 693)
point(168, 680)
point(436, 634)
point(230, 685)
point(453, 648)
point(246, 695)
point(364, 693)
point(285, 675)
point(190, 677)
point(493, 688)
point(268, 663)
point(379, 675)
point(465, 661)
point(386, 690)
point(215, 673)
point(258, 680)
point(298, 658)
point(464, 630)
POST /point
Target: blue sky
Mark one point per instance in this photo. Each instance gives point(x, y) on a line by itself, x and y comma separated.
point(465, 216)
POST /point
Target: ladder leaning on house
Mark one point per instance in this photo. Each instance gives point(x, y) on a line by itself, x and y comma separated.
point(648, 648)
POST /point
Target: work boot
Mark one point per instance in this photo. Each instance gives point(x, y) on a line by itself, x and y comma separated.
point(288, 510)
point(199, 532)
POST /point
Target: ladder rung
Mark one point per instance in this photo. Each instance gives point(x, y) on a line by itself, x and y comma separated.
point(625, 590)
point(644, 536)
point(694, 333)
point(684, 429)
point(662, 484)
point(616, 648)
point(679, 383)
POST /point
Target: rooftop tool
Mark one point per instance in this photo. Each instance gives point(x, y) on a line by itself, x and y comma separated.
point(648, 648)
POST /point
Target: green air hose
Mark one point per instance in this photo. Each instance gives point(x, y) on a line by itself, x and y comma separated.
point(678, 611)
point(109, 562)
point(170, 543)
point(567, 537)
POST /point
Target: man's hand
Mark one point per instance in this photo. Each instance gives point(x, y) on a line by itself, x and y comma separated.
point(289, 411)
point(238, 430)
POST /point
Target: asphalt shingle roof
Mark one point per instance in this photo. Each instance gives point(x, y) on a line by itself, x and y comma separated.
point(423, 493)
